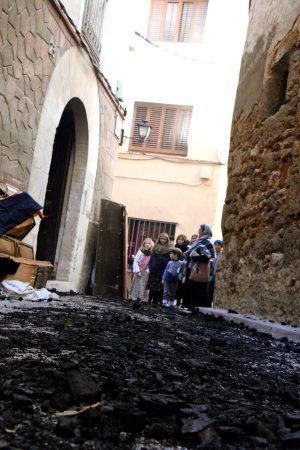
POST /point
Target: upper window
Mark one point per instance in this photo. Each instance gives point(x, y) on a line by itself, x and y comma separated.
point(177, 20)
point(169, 128)
point(92, 25)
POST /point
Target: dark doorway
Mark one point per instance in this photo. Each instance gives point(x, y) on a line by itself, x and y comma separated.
point(57, 188)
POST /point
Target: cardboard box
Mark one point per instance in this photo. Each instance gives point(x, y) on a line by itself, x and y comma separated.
point(13, 247)
point(7, 245)
point(24, 250)
point(31, 271)
point(20, 231)
point(25, 273)
point(17, 258)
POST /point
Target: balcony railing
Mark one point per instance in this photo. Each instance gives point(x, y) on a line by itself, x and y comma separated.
point(92, 25)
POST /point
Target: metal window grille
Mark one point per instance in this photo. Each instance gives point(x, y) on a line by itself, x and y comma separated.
point(92, 25)
point(139, 229)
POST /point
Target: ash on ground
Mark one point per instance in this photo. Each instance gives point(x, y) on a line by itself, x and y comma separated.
point(102, 373)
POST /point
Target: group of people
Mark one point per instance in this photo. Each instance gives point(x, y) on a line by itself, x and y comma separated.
point(181, 275)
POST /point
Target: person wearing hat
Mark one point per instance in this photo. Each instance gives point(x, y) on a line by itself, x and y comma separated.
point(213, 264)
point(171, 277)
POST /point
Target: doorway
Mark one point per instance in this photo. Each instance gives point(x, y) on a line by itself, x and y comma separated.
point(58, 189)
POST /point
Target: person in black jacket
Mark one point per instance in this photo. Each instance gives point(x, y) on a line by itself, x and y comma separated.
point(201, 251)
point(159, 259)
point(182, 243)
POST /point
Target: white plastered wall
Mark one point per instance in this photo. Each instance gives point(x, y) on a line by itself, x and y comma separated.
point(73, 77)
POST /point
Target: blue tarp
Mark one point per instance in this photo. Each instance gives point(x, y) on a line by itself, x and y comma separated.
point(15, 209)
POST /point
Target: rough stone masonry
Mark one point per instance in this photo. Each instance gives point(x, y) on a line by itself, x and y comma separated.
point(259, 271)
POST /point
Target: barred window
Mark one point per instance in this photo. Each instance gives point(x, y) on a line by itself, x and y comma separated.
point(140, 229)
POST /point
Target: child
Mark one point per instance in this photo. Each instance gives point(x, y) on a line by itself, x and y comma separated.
point(157, 264)
point(139, 268)
point(182, 243)
point(170, 277)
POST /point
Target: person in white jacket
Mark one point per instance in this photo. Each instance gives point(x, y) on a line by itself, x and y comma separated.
point(139, 269)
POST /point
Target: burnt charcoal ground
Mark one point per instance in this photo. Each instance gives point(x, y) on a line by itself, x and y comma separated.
point(91, 373)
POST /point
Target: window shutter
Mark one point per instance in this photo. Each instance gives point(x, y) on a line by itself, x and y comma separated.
point(186, 21)
point(155, 121)
point(168, 128)
point(183, 130)
point(177, 20)
point(156, 17)
point(199, 21)
point(140, 114)
point(170, 21)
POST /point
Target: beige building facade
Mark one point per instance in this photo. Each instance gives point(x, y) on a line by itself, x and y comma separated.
point(260, 265)
point(57, 116)
point(192, 77)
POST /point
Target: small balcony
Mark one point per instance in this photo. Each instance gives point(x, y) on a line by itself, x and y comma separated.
point(92, 24)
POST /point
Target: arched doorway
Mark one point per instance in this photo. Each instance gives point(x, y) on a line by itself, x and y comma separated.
point(57, 187)
point(70, 145)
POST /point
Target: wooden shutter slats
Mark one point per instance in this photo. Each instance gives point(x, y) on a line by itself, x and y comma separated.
point(169, 128)
point(156, 19)
point(154, 120)
point(141, 114)
point(170, 21)
point(185, 21)
point(177, 20)
point(183, 131)
point(199, 22)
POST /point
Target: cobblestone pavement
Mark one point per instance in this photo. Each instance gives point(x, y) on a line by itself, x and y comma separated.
point(95, 373)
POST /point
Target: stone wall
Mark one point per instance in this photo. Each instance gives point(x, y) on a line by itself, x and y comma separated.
point(31, 43)
point(259, 270)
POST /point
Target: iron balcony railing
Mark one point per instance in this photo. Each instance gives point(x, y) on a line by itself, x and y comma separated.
point(92, 25)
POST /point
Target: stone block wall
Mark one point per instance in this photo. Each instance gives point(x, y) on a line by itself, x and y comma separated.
point(31, 43)
point(259, 270)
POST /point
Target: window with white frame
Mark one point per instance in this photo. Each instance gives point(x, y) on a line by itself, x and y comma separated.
point(177, 20)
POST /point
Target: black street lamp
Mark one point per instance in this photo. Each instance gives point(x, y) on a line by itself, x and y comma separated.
point(144, 130)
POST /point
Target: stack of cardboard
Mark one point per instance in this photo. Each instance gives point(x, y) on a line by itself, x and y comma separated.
point(17, 258)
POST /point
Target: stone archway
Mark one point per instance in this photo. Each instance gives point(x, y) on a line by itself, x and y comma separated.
point(67, 91)
point(68, 160)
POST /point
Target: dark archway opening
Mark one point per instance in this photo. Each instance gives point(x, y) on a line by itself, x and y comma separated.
point(57, 188)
